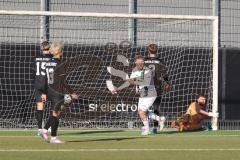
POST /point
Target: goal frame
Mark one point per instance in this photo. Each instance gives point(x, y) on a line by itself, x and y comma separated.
point(215, 35)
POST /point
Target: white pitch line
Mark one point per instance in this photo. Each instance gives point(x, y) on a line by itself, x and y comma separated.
point(117, 150)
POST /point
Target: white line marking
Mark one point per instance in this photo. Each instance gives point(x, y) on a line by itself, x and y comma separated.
point(117, 150)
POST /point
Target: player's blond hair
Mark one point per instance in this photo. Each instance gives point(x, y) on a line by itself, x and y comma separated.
point(56, 48)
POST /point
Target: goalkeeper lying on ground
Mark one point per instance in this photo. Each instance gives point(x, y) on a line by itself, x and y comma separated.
point(194, 118)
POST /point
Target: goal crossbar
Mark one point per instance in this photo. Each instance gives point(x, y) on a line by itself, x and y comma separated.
point(106, 15)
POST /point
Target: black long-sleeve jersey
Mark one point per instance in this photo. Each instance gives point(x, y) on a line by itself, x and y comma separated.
point(54, 96)
point(40, 82)
point(56, 74)
point(50, 68)
point(159, 70)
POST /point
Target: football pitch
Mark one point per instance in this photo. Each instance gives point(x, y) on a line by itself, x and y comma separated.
point(121, 145)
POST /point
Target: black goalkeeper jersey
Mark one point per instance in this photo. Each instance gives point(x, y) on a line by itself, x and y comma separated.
point(40, 81)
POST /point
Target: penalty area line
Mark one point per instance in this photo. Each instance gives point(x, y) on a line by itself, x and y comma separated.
point(117, 150)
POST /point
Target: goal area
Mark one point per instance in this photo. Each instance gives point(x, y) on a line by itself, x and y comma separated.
point(95, 42)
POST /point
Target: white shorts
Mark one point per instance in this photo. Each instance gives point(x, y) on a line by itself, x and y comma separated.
point(144, 103)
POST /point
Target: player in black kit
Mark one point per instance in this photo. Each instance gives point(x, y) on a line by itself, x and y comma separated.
point(40, 82)
point(161, 80)
point(59, 97)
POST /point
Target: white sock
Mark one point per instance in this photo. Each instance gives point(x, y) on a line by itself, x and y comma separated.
point(153, 116)
point(53, 138)
point(146, 123)
point(45, 131)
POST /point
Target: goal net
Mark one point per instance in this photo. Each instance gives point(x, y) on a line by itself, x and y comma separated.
point(93, 44)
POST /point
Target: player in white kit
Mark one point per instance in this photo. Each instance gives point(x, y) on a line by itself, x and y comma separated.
point(143, 78)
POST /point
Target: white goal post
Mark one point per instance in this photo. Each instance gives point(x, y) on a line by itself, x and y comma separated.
point(214, 36)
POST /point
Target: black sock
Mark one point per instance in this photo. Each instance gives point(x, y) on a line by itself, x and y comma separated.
point(155, 123)
point(48, 123)
point(54, 126)
point(39, 118)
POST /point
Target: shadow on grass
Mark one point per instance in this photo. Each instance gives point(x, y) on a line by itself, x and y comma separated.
point(91, 132)
point(184, 132)
point(105, 139)
point(168, 132)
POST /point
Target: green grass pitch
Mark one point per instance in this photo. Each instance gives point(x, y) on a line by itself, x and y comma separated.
point(121, 145)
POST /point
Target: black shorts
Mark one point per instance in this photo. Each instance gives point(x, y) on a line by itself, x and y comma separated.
point(38, 95)
point(57, 99)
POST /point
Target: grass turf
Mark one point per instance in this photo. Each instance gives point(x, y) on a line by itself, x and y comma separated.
point(121, 144)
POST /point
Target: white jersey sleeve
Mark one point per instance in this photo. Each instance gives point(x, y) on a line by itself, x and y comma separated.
point(142, 78)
